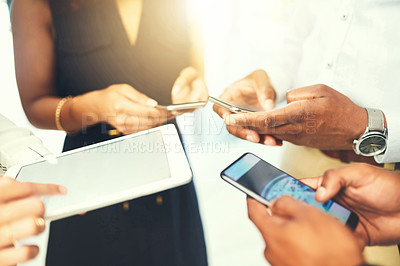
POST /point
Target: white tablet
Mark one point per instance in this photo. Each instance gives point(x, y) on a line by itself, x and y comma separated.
point(110, 172)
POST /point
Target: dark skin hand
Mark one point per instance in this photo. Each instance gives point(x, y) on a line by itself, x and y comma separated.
point(315, 116)
point(372, 193)
point(120, 105)
point(254, 90)
point(299, 234)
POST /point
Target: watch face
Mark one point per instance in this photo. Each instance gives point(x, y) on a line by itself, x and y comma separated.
point(372, 145)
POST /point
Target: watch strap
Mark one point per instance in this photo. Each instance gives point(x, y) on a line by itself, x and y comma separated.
point(376, 121)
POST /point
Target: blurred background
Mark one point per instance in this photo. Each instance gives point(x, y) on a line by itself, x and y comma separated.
point(238, 36)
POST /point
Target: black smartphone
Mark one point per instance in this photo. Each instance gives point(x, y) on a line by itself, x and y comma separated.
point(264, 182)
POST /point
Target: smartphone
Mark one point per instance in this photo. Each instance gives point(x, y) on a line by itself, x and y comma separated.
point(233, 107)
point(264, 182)
point(182, 106)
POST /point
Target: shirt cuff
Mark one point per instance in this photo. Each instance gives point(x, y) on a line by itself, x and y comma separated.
point(392, 153)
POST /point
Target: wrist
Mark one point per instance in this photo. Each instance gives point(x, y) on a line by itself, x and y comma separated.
point(360, 124)
point(81, 112)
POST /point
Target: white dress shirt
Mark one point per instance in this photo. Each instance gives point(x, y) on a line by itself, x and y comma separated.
point(18, 146)
point(352, 46)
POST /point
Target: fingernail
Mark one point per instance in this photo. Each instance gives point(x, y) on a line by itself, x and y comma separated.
point(320, 193)
point(151, 102)
point(268, 142)
point(269, 104)
point(251, 138)
point(63, 190)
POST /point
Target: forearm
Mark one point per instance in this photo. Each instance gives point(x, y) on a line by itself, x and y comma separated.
point(75, 114)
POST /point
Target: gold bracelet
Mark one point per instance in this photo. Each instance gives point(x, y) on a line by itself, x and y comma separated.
point(58, 112)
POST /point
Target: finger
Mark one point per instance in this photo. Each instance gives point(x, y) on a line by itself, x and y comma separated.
point(288, 120)
point(200, 91)
point(137, 109)
point(222, 112)
point(244, 133)
point(17, 190)
point(47, 189)
point(21, 208)
point(313, 182)
point(336, 179)
point(185, 78)
point(133, 95)
point(270, 140)
point(132, 124)
point(306, 93)
point(20, 229)
point(263, 120)
point(258, 214)
point(16, 255)
point(5, 180)
point(265, 92)
point(286, 206)
point(332, 182)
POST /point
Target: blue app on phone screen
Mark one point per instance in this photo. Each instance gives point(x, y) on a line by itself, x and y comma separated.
point(265, 182)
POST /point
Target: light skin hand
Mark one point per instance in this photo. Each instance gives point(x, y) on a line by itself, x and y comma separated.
point(315, 116)
point(189, 87)
point(372, 193)
point(121, 106)
point(20, 207)
point(254, 90)
point(310, 236)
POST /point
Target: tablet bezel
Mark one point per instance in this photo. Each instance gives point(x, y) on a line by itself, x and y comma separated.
point(175, 154)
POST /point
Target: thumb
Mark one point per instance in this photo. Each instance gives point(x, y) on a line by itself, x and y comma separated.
point(185, 78)
point(265, 91)
point(136, 96)
point(332, 182)
point(313, 182)
point(258, 214)
point(286, 206)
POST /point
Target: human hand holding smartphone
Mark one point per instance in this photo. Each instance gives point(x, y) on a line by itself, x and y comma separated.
point(264, 182)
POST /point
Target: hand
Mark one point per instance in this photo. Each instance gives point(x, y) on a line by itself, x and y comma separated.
point(315, 116)
point(372, 193)
point(21, 216)
point(255, 90)
point(124, 108)
point(189, 87)
point(299, 234)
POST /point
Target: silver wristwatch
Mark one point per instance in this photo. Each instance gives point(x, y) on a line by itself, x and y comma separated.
point(374, 140)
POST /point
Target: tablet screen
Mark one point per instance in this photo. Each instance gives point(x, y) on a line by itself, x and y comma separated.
point(102, 170)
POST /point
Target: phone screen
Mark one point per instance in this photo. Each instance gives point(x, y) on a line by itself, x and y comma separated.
point(268, 182)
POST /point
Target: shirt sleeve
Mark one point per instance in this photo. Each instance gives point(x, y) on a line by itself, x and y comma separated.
point(392, 153)
point(18, 145)
point(282, 68)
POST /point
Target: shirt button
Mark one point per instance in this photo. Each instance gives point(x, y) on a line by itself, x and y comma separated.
point(345, 17)
point(329, 65)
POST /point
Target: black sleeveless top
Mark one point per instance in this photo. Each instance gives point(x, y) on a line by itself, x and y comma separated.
point(93, 52)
